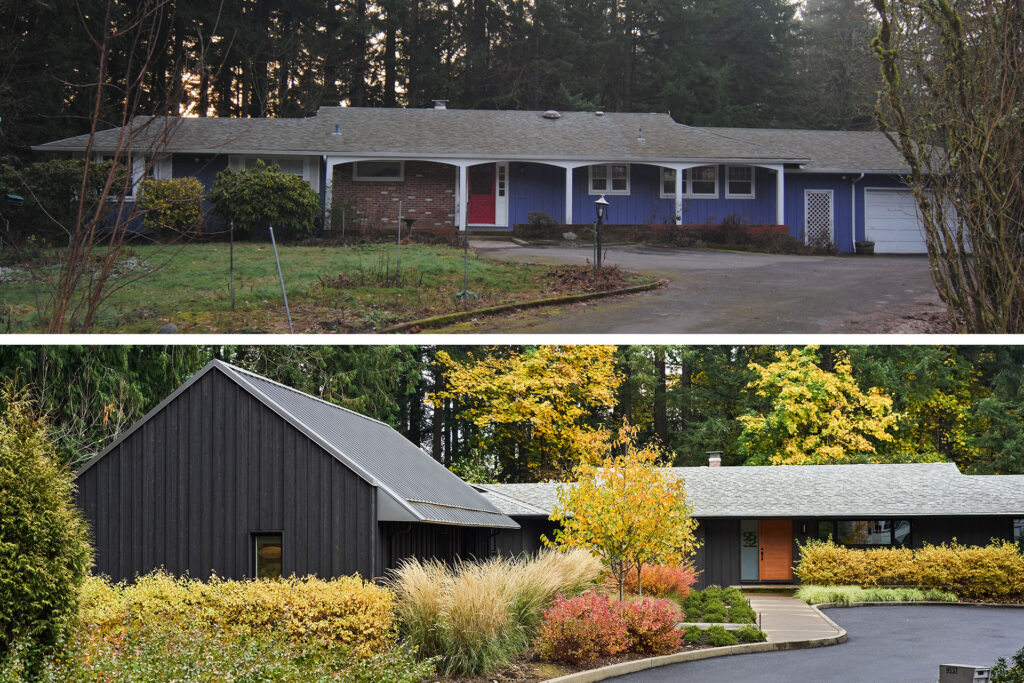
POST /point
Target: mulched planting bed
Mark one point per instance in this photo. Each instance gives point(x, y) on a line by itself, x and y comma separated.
point(573, 279)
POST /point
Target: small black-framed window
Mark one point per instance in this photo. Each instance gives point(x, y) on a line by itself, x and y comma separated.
point(1018, 532)
point(826, 530)
point(267, 555)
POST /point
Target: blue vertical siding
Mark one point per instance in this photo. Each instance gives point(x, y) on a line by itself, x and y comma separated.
point(205, 167)
point(540, 187)
point(798, 183)
point(535, 187)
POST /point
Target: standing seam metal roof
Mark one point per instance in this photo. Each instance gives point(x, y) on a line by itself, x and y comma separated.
point(372, 449)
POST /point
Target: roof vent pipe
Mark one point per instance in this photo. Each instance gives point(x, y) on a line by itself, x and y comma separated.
point(714, 458)
point(640, 135)
point(337, 129)
point(440, 104)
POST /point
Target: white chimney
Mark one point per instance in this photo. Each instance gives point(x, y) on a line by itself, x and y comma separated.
point(440, 104)
point(714, 458)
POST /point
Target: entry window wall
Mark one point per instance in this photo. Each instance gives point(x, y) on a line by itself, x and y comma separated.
point(866, 532)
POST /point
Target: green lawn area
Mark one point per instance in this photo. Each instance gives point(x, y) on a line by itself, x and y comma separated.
point(330, 288)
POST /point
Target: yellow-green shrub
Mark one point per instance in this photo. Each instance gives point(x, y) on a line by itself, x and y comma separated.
point(994, 572)
point(345, 611)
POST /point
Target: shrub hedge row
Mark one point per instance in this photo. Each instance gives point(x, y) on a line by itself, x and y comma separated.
point(976, 573)
point(346, 611)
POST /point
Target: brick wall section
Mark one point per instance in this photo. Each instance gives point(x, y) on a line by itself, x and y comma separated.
point(427, 194)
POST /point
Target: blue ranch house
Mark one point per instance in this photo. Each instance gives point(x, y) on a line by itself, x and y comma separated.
point(470, 169)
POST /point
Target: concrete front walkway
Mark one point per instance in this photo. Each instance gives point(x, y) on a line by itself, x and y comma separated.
point(784, 618)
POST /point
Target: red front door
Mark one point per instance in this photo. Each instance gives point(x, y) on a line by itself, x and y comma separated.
point(481, 194)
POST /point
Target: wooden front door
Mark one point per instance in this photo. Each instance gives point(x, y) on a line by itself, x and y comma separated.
point(481, 195)
point(775, 557)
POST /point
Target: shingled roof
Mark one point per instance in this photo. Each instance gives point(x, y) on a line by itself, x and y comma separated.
point(444, 133)
point(827, 150)
point(911, 490)
point(409, 478)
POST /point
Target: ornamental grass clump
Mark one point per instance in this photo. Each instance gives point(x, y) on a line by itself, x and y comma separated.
point(478, 615)
point(847, 595)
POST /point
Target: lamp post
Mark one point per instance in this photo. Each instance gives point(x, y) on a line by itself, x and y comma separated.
point(600, 204)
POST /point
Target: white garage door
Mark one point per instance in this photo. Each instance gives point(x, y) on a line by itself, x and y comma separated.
point(892, 222)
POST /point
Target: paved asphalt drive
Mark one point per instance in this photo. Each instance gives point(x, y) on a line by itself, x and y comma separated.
point(898, 644)
point(732, 292)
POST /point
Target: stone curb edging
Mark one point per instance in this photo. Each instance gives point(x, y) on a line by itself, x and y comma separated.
point(831, 605)
point(624, 668)
point(447, 318)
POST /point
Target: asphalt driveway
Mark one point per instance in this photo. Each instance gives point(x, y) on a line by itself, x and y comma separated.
point(898, 644)
point(733, 293)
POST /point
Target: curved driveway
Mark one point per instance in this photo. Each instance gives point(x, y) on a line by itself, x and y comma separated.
point(732, 292)
point(896, 644)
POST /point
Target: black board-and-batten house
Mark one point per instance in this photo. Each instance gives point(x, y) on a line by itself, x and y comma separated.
point(237, 475)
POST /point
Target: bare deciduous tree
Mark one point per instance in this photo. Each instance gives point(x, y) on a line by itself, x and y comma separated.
point(106, 214)
point(953, 103)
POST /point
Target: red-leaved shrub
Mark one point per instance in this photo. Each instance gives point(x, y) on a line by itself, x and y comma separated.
point(581, 629)
point(663, 581)
point(651, 626)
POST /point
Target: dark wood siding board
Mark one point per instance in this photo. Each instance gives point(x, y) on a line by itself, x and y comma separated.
point(227, 457)
point(122, 489)
point(240, 508)
point(206, 459)
point(169, 484)
point(327, 530)
point(216, 456)
point(338, 528)
point(185, 499)
point(289, 518)
point(195, 466)
point(152, 500)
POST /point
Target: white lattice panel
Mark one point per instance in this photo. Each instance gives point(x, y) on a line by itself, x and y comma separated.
point(818, 212)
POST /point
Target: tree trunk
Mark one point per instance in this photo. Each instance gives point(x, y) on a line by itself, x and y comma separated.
point(660, 396)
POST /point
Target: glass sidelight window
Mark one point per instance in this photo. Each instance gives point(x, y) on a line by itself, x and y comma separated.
point(267, 549)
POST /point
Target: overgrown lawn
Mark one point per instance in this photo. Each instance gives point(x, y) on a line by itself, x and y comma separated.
point(330, 288)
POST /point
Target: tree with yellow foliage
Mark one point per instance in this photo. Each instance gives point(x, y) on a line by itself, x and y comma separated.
point(627, 510)
point(537, 412)
point(811, 416)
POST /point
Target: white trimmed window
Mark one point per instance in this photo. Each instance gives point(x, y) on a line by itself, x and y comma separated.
point(739, 182)
point(609, 179)
point(378, 171)
point(668, 183)
point(288, 166)
point(702, 182)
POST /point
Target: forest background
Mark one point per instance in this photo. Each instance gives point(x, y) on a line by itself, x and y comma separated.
point(770, 63)
point(529, 413)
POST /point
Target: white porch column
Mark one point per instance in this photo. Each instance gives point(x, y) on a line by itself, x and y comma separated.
point(462, 205)
point(328, 191)
point(780, 195)
point(138, 174)
point(568, 195)
point(679, 195)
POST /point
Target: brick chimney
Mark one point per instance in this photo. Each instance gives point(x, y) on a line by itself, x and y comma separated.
point(714, 458)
